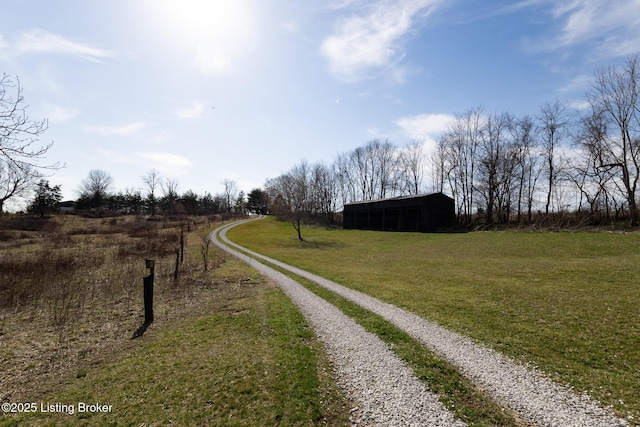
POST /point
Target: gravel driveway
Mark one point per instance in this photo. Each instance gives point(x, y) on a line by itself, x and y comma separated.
point(376, 379)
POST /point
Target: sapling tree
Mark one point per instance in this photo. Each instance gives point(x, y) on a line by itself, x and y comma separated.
point(152, 180)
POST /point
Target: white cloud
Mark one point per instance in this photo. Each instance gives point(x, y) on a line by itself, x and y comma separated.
point(159, 136)
point(423, 126)
point(579, 104)
point(614, 27)
point(124, 130)
point(373, 40)
point(341, 4)
point(195, 111)
point(166, 163)
point(41, 41)
point(578, 83)
point(516, 6)
point(59, 114)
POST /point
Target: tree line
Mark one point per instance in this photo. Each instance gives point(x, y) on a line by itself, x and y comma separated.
point(376, 170)
point(506, 167)
point(158, 195)
point(498, 167)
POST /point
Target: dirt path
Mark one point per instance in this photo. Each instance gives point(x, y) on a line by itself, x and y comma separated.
point(536, 398)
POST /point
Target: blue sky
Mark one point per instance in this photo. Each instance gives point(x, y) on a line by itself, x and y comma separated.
point(129, 86)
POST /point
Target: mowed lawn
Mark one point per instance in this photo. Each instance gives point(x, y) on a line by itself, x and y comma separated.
point(565, 302)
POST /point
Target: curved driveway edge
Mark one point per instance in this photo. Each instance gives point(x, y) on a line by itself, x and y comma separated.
point(387, 392)
point(536, 398)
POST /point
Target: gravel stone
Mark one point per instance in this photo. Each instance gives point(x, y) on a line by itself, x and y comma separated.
point(385, 389)
point(536, 398)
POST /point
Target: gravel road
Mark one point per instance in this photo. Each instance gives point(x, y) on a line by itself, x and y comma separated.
point(536, 398)
point(385, 390)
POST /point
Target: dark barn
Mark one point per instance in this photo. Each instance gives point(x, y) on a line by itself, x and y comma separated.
point(425, 212)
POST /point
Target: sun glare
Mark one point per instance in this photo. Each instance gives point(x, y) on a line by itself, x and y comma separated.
point(217, 30)
point(201, 18)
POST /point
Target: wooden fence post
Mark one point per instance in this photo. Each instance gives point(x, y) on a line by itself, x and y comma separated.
point(175, 273)
point(148, 292)
point(181, 245)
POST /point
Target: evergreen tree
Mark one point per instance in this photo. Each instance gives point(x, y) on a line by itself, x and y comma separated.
point(46, 199)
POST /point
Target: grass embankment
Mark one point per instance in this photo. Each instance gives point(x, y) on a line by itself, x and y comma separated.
point(226, 347)
point(565, 302)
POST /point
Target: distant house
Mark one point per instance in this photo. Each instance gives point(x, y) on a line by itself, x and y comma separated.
point(425, 212)
point(68, 206)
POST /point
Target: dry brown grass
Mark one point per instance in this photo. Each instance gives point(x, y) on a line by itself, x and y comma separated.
point(71, 291)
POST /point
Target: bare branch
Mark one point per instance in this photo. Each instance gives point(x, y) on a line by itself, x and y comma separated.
point(18, 132)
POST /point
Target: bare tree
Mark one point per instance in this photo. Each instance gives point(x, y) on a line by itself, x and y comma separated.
point(18, 132)
point(374, 170)
point(152, 180)
point(94, 189)
point(363, 174)
point(20, 154)
point(554, 123)
point(595, 183)
point(386, 168)
point(459, 164)
point(614, 97)
point(527, 162)
point(411, 168)
point(291, 195)
point(16, 180)
point(439, 167)
point(494, 165)
point(97, 182)
point(169, 188)
point(345, 179)
point(230, 193)
point(323, 192)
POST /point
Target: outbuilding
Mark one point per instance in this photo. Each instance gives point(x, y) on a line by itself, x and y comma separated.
point(68, 206)
point(424, 212)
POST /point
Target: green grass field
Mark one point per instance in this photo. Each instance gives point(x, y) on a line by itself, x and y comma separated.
point(564, 302)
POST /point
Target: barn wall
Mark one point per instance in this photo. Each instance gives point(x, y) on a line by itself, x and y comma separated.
point(432, 212)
